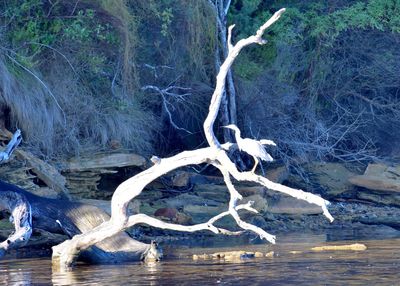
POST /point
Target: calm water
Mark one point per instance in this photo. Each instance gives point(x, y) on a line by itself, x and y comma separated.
point(378, 265)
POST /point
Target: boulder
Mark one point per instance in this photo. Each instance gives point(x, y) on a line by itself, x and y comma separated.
point(173, 215)
point(379, 177)
point(330, 178)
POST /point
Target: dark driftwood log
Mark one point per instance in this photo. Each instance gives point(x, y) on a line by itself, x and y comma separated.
point(72, 218)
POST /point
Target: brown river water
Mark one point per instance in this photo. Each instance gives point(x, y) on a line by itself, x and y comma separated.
point(293, 264)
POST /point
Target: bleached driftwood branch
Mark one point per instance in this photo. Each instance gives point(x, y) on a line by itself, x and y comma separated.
point(21, 216)
point(16, 204)
point(14, 142)
point(66, 253)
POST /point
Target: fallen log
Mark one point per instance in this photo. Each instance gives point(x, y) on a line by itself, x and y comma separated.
point(71, 218)
point(45, 172)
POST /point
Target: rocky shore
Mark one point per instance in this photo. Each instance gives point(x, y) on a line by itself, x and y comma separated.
point(362, 201)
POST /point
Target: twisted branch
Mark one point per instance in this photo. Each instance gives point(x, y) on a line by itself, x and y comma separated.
point(66, 253)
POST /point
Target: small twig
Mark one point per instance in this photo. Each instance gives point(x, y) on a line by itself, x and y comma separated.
point(165, 101)
point(209, 225)
point(57, 51)
point(73, 10)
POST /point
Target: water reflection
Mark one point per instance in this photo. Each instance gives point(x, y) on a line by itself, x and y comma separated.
point(379, 264)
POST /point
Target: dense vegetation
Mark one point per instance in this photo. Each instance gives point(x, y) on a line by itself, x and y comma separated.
point(73, 75)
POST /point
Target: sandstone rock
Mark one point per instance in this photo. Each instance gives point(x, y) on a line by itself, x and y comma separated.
point(150, 195)
point(181, 179)
point(201, 256)
point(250, 191)
point(283, 204)
point(166, 213)
point(184, 179)
point(352, 247)
point(184, 219)
point(45, 172)
point(220, 193)
point(204, 211)
point(260, 203)
point(270, 254)
point(212, 192)
point(103, 160)
point(278, 175)
point(187, 199)
point(173, 215)
point(388, 219)
point(258, 254)
point(380, 197)
point(202, 214)
point(332, 178)
point(379, 177)
point(230, 255)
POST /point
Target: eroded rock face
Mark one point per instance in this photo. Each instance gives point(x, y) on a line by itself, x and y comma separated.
point(380, 184)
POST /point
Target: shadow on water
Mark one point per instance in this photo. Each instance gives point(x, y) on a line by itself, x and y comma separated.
point(293, 263)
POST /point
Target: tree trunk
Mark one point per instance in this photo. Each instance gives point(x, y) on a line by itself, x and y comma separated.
point(228, 101)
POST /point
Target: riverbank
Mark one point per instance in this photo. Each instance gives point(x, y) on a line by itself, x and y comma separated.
point(187, 197)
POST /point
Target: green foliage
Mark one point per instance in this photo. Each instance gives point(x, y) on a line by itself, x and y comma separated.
point(85, 28)
point(67, 74)
point(166, 19)
point(309, 23)
point(247, 68)
point(33, 25)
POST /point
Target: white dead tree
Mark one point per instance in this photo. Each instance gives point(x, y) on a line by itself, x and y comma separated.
point(16, 204)
point(67, 252)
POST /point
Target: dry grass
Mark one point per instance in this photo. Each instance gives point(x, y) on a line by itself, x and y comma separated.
point(82, 122)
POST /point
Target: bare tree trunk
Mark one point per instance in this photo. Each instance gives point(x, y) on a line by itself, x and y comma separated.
point(228, 101)
point(65, 254)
